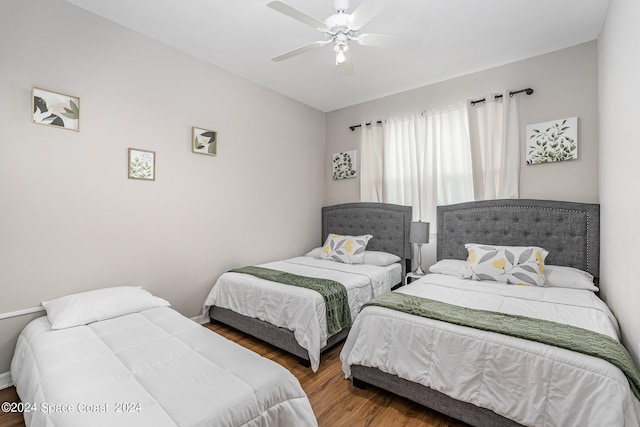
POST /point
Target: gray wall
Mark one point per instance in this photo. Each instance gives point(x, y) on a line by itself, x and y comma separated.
point(618, 70)
point(565, 84)
point(71, 220)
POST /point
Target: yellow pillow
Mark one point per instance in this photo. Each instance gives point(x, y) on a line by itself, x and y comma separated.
point(515, 265)
point(346, 249)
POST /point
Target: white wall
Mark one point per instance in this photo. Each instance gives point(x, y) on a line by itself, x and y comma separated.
point(618, 87)
point(70, 219)
point(565, 84)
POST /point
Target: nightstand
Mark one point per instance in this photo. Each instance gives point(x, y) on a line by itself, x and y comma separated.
point(410, 277)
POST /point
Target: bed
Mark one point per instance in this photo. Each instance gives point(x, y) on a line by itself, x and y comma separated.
point(483, 377)
point(293, 318)
point(122, 357)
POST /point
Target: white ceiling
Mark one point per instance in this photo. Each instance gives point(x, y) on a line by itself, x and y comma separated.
point(458, 37)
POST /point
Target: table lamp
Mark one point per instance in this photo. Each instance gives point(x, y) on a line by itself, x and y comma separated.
point(419, 234)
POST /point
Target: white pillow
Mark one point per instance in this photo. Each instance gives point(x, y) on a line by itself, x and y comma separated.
point(568, 277)
point(346, 249)
point(87, 307)
point(370, 257)
point(380, 258)
point(452, 267)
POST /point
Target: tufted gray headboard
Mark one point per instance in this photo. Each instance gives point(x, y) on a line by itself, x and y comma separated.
point(569, 231)
point(388, 224)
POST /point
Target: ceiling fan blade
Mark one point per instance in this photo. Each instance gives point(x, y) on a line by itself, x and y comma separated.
point(380, 40)
point(367, 10)
point(300, 50)
point(296, 14)
point(346, 68)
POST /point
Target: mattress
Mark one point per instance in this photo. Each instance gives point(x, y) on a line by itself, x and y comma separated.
point(299, 309)
point(152, 368)
point(531, 383)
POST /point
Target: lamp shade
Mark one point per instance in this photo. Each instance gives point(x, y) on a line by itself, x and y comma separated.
point(419, 232)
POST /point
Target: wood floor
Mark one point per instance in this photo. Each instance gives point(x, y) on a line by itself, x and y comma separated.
point(334, 400)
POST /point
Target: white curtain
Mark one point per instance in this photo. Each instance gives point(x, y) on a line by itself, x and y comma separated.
point(425, 161)
point(442, 157)
point(403, 167)
point(495, 147)
point(448, 135)
point(371, 163)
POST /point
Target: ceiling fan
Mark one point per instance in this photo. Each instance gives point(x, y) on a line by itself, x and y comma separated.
point(341, 28)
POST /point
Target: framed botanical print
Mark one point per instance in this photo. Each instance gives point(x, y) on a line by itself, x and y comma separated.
point(204, 141)
point(142, 164)
point(55, 109)
point(344, 165)
point(553, 141)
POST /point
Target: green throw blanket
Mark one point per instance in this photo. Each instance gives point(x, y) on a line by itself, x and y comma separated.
point(334, 293)
point(544, 331)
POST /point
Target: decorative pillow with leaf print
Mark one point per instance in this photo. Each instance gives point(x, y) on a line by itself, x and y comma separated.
point(515, 265)
point(346, 249)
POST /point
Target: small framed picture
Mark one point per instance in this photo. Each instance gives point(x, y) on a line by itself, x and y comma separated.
point(553, 141)
point(55, 109)
point(344, 165)
point(142, 164)
point(204, 141)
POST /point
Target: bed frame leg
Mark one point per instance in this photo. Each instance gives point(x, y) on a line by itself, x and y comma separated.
point(359, 383)
point(304, 362)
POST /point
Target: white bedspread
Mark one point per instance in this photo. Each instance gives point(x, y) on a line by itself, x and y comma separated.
point(299, 309)
point(532, 383)
point(150, 369)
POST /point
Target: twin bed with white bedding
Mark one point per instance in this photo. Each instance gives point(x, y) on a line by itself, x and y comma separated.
point(479, 374)
point(294, 318)
point(121, 357)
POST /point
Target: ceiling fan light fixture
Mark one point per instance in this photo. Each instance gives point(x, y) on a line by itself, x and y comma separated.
point(341, 28)
point(340, 49)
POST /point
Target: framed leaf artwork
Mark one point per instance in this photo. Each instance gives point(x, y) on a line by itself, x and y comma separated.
point(553, 141)
point(57, 109)
point(204, 141)
point(142, 164)
point(344, 165)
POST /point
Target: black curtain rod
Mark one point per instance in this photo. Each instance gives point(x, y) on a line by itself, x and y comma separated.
point(379, 122)
point(528, 90)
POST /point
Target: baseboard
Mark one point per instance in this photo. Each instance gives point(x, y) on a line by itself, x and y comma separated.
point(5, 380)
